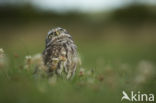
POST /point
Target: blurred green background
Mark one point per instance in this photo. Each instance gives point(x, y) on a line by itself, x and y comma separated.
point(117, 42)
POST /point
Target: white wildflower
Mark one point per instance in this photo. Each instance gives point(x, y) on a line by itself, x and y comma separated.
point(145, 71)
point(28, 59)
point(1, 51)
point(28, 62)
point(82, 70)
point(3, 59)
point(37, 59)
point(36, 64)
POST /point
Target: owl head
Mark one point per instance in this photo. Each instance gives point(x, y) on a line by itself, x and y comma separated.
point(56, 33)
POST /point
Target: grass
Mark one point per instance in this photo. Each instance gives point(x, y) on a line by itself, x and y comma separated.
point(116, 55)
point(108, 70)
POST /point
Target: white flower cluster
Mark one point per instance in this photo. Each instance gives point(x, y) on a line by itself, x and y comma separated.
point(3, 60)
point(145, 71)
point(35, 63)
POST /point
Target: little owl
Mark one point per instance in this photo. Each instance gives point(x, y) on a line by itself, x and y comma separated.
point(60, 53)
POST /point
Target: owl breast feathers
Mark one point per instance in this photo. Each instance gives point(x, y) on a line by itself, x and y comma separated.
point(60, 54)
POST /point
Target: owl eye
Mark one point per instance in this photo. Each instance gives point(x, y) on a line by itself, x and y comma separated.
point(56, 33)
point(50, 36)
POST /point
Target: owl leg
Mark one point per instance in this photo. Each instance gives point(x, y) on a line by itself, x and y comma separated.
point(65, 67)
point(71, 73)
point(60, 68)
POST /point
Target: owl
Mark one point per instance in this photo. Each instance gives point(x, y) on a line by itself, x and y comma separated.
point(60, 54)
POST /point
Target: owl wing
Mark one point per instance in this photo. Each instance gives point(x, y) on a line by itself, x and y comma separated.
point(46, 55)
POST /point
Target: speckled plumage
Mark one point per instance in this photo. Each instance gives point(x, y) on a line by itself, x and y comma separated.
point(60, 53)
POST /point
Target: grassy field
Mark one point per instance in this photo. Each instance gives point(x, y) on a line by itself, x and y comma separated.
point(110, 64)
